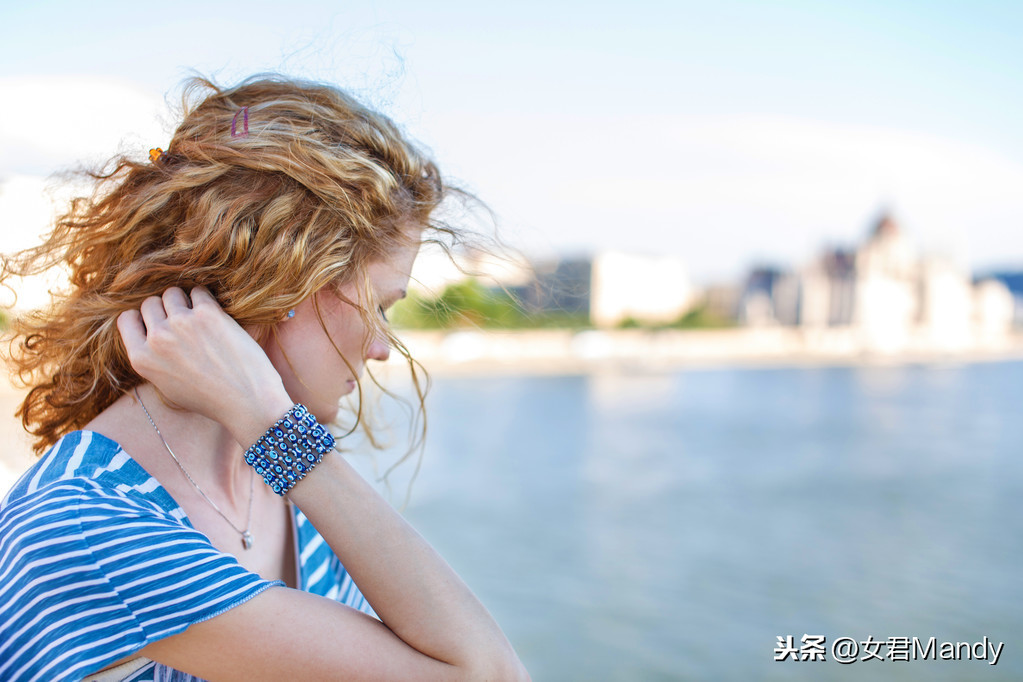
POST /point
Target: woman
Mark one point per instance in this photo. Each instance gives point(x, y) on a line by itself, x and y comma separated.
point(167, 532)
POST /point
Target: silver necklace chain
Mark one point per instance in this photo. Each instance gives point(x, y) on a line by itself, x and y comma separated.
point(247, 538)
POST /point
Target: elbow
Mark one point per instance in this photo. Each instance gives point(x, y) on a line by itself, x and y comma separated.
point(512, 670)
point(519, 674)
point(505, 667)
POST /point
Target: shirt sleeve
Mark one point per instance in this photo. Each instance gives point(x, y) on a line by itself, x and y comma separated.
point(88, 577)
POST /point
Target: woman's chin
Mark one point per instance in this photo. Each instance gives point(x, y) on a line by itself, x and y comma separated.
point(325, 414)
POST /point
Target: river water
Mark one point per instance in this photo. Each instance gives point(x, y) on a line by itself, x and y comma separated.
point(672, 526)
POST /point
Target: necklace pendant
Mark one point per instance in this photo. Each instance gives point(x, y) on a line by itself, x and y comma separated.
point(246, 540)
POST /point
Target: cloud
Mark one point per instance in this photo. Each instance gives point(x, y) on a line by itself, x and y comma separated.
point(54, 123)
point(51, 123)
point(719, 191)
point(28, 205)
point(722, 191)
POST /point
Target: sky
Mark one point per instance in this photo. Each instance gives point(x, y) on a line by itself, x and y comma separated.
point(729, 134)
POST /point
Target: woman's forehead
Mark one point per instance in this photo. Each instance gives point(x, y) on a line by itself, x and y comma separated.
point(395, 268)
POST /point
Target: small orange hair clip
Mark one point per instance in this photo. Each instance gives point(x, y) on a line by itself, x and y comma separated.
point(155, 155)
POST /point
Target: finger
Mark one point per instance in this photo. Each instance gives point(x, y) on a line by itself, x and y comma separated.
point(153, 311)
point(202, 296)
point(175, 300)
point(132, 331)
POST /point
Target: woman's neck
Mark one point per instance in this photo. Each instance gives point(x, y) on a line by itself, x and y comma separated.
point(202, 447)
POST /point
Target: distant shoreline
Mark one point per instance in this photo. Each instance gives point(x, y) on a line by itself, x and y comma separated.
point(487, 352)
point(562, 352)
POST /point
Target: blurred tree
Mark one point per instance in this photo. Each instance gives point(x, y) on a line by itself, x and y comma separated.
point(471, 304)
point(700, 317)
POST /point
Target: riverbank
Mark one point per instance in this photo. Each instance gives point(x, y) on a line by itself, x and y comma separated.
point(565, 351)
point(557, 351)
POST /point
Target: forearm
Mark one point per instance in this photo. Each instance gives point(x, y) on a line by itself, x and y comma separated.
point(413, 590)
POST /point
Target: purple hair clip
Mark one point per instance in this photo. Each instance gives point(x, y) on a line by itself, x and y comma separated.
point(244, 113)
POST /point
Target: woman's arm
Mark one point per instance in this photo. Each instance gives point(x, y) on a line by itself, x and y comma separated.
point(432, 626)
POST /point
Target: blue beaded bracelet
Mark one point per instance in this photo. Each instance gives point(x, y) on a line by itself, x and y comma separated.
point(289, 449)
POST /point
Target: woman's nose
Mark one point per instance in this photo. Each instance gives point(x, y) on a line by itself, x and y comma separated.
point(379, 349)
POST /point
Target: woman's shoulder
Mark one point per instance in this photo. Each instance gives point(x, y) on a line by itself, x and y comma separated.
point(93, 566)
point(87, 464)
point(77, 496)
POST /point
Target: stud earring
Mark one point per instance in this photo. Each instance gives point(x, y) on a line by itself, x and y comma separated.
point(291, 313)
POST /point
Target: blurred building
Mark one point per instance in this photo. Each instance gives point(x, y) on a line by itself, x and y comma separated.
point(723, 301)
point(884, 291)
point(828, 290)
point(761, 299)
point(612, 288)
point(1013, 281)
point(435, 269)
point(647, 289)
point(561, 285)
point(994, 306)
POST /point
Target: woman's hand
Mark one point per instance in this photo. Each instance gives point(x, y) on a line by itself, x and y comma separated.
point(202, 360)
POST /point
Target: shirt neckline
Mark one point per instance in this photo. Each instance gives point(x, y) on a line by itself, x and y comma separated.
point(170, 505)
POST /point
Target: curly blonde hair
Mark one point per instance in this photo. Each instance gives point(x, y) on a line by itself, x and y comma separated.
point(268, 192)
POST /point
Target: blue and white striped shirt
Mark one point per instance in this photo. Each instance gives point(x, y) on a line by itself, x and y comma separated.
point(97, 560)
